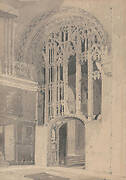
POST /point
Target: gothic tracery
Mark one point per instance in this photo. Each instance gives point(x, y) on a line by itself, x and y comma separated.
point(87, 45)
point(79, 37)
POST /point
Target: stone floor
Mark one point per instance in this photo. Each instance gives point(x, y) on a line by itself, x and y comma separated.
point(39, 173)
point(46, 176)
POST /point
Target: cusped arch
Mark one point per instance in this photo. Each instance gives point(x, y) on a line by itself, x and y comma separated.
point(59, 121)
point(32, 38)
point(54, 137)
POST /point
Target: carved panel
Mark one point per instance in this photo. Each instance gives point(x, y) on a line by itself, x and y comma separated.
point(24, 70)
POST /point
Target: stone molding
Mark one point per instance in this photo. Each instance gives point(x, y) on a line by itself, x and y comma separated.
point(18, 83)
point(6, 10)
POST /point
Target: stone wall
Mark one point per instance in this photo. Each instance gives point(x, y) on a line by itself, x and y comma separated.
point(9, 143)
point(17, 103)
point(41, 141)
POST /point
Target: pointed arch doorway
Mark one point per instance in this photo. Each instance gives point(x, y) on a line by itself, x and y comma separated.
point(70, 142)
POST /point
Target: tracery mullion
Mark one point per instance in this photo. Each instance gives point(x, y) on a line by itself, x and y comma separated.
point(78, 76)
point(47, 82)
point(57, 89)
point(52, 83)
point(90, 84)
point(59, 102)
point(59, 74)
point(65, 77)
point(55, 80)
point(61, 84)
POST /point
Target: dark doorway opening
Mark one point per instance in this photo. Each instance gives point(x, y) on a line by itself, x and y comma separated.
point(72, 144)
point(62, 144)
point(1, 143)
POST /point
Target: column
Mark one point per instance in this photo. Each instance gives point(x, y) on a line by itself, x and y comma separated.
point(106, 107)
point(9, 34)
point(13, 42)
point(90, 87)
point(40, 106)
point(5, 45)
point(9, 46)
point(78, 78)
point(2, 30)
point(37, 99)
point(46, 85)
point(65, 77)
point(78, 85)
point(41, 145)
point(118, 97)
point(54, 84)
point(123, 134)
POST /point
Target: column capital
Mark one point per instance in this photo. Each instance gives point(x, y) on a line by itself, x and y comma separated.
point(8, 11)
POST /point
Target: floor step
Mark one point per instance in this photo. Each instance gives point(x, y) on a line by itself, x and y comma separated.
point(75, 160)
point(4, 163)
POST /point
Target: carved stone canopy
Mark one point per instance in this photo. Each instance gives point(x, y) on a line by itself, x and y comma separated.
point(45, 32)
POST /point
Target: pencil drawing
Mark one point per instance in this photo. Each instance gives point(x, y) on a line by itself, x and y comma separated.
point(58, 113)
